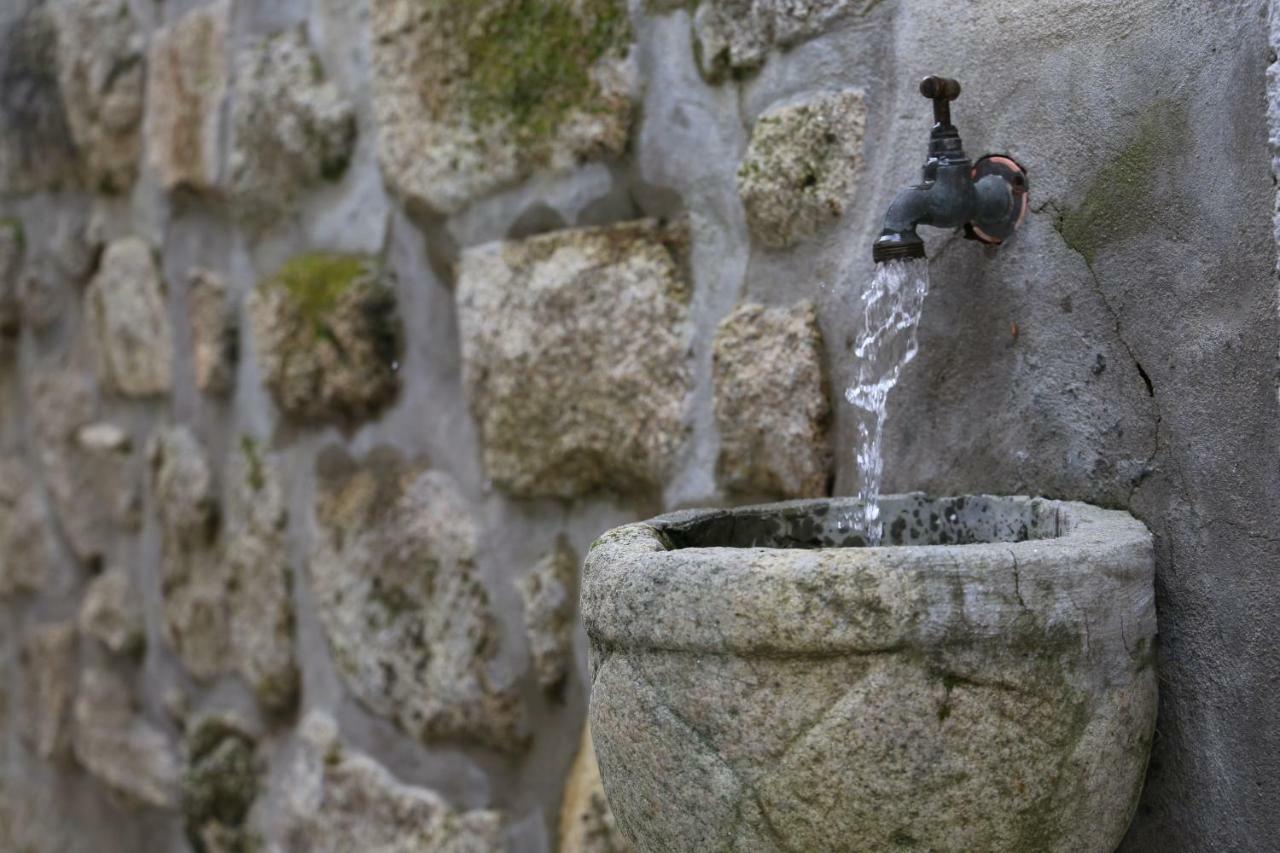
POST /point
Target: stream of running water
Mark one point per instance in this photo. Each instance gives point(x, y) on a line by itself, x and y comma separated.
point(887, 341)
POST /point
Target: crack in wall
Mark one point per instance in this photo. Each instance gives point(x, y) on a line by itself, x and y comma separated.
point(1157, 445)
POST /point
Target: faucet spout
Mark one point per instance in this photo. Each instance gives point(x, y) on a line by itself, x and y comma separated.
point(989, 198)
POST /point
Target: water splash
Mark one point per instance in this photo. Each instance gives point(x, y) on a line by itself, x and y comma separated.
point(891, 309)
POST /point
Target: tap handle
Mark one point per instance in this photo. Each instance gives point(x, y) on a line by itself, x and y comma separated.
point(942, 90)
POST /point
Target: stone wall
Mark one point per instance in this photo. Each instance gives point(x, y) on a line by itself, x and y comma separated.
point(332, 333)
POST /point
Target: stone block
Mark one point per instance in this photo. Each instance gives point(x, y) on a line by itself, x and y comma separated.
point(575, 349)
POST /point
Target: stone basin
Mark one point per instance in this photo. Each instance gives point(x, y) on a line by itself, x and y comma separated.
point(984, 681)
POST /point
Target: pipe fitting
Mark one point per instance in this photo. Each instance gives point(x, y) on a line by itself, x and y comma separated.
point(989, 198)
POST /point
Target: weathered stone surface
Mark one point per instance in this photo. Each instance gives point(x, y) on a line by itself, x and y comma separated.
point(59, 261)
point(49, 662)
point(408, 620)
point(121, 748)
point(101, 74)
point(997, 694)
point(771, 402)
point(128, 320)
point(575, 357)
point(802, 166)
point(112, 612)
point(733, 37)
point(190, 576)
point(187, 77)
point(470, 97)
point(291, 128)
point(219, 785)
point(90, 467)
point(215, 335)
point(24, 546)
point(260, 576)
point(12, 248)
point(226, 577)
point(340, 800)
point(548, 596)
point(36, 149)
point(586, 823)
point(328, 337)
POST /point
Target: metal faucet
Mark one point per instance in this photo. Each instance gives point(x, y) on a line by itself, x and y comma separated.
point(989, 198)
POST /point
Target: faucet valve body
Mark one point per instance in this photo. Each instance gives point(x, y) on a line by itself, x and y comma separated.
point(988, 198)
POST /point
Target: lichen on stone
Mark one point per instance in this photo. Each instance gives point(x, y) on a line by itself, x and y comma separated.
point(292, 128)
point(771, 406)
point(226, 578)
point(410, 625)
point(328, 336)
point(472, 96)
point(802, 166)
point(575, 357)
point(219, 785)
point(530, 62)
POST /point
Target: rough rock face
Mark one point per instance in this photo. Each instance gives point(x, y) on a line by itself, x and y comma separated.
point(408, 620)
point(733, 37)
point(802, 166)
point(90, 467)
point(470, 97)
point(340, 800)
point(187, 77)
point(548, 596)
point(12, 248)
point(328, 337)
point(58, 262)
point(49, 662)
point(226, 577)
point(997, 694)
point(586, 823)
point(575, 357)
point(36, 149)
point(125, 308)
point(291, 128)
point(101, 74)
point(219, 785)
point(24, 547)
point(191, 576)
point(260, 576)
point(215, 336)
point(119, 747)
point(112, 612)
point(771, 402)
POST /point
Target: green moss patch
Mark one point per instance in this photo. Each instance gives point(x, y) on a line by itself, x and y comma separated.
point(1116, 206)
point(316, 282)
point(529, 62)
